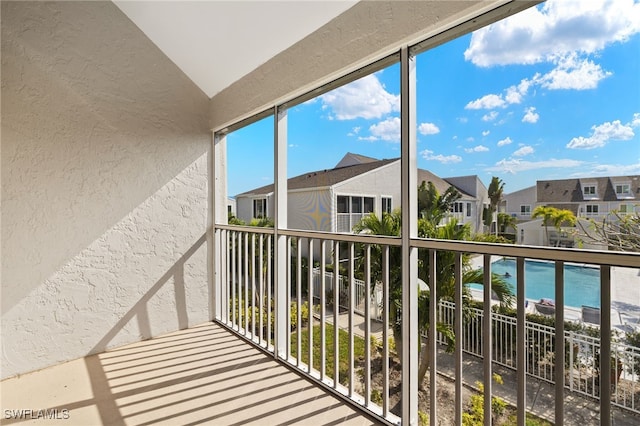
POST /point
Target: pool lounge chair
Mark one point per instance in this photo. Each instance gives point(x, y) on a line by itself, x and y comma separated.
point(545, 309)
point(590, 315)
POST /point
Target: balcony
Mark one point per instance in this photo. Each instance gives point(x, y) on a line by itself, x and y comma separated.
point(252, 298)
point(201, 375)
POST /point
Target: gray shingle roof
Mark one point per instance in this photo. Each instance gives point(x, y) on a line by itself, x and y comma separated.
point(571, 190)
point(322, 178)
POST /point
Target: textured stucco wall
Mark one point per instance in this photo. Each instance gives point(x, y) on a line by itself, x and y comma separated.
point(105, 197)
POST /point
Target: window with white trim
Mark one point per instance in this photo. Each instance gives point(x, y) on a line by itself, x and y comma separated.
point(260, 208)
point(386, 205)
point(525, 210)
point(351, 210)
point(589, 190)
point(468, 209)
point(592, 209)
point(623, 189)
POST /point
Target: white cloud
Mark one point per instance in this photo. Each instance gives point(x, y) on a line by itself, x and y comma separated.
point(386, 130)
point(364, 98)
point(514, 166)
point(444, 159)
point(505, 141)
point(574, 73)
point(636, 120)
point(487, 102)
point(530, 115)
point(525, 150)
point(601, 135)
point(490, 117)
point(609, 170)
point(554, 29)
point(486, 133)
point(479, 148)
point(428, 129)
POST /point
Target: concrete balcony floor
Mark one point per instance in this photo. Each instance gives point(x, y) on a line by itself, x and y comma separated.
point(201, 375)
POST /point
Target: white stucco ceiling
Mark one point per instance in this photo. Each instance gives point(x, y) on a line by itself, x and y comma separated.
point(217, 42)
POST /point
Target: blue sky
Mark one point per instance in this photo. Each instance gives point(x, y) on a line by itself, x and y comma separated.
point(550, 93)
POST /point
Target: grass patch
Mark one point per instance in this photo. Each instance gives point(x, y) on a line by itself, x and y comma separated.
point(343, 350)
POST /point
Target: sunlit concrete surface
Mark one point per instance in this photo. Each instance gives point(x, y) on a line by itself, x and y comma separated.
point(201, 375)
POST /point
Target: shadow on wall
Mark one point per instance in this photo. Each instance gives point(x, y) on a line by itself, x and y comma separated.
point(140, 311)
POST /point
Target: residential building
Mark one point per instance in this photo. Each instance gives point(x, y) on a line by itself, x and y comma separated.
point(592, 198)
point(335, 200)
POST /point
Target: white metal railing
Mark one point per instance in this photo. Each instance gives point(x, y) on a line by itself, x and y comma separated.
point(582, 373)
point(375, 300)
point(249, 294)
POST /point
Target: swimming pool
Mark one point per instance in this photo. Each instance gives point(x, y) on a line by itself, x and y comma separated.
point(581, 283)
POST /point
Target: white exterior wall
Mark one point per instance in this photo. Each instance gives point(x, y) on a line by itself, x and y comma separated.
point(516, 199)
point(381, 182)
point(310, 210)
point(244, 206)
point(105, 198)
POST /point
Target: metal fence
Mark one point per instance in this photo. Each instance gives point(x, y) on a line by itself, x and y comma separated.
point(582, 355)
point(343, 292)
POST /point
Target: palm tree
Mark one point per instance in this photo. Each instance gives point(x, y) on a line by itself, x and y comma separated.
point(495, 192)
point(434, 206)
point(506, 221)
point(390, 224)
point(552, 215)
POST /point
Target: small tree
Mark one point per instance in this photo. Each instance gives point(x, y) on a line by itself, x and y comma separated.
point(433, 206)
point(553, 216)
point(617, 232)
point(495, 192)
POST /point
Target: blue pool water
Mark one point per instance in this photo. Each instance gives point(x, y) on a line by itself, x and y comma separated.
point(581, 283)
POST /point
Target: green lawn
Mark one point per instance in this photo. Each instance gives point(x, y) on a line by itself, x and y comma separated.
point(343, 350)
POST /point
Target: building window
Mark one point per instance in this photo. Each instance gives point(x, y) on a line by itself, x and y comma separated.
point(260, 208)
point(457, 207)
point(623, 190)
point(386, 204)
point(592, 209)
point(625, 209)
point(343, 204)
point(589, 190)
point(468, 209)
point(525, 210)
point(351, 210)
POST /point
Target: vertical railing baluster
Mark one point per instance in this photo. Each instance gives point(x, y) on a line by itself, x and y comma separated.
point(385, 331)
point(323, 309)
point(559, 347)
point(310, 300)
point(288, 295)
point(246, 284)
point(253, 287)
point(336, 313)
point(367, 326)
point(261, 291)
point(521, 343)
point(270, 292)
point(432, 336)
point(487, 340)
point(299, 301)
point(352, 294)
point(234, 277)
point(458, 318)
point(605, 346)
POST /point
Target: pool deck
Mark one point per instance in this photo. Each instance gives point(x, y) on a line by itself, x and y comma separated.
point(625, 298)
